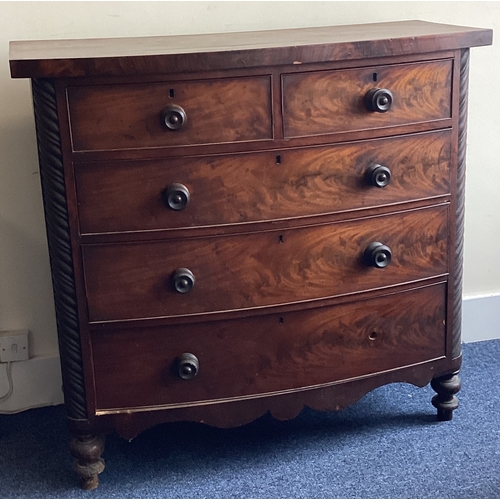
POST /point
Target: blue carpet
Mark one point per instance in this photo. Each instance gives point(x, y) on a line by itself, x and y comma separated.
point(388, 445)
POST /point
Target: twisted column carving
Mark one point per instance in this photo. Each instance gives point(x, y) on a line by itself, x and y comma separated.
point(59, 241)
point(460, 203)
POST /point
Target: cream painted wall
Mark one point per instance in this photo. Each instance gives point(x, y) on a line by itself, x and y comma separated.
point(25, 288)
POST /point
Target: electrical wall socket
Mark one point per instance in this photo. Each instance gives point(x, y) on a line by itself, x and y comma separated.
point(14, 346)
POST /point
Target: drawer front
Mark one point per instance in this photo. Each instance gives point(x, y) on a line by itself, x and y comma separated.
point(270, 353)
point(327, 102)
point(111, 117)
point(237, 189)
point(142, 280)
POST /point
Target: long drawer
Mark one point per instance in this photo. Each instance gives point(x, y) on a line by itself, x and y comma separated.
point(210, 274)
point(108, 117)
point(269, 353)
point(252, 187)
point(326, 102)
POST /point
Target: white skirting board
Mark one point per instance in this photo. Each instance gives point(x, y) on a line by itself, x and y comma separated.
point(37, 382)
point(481, 318)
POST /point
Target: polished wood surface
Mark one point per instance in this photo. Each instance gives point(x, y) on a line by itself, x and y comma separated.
point(327, 102)
point(209, 211)
point(269, 353)
point(264, 186)
point(131, 422)
point(129, 116)
point(262, 269)
point(153, 55)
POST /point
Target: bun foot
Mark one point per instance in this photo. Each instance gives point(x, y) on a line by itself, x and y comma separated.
point(88, 463)
point(445, 400)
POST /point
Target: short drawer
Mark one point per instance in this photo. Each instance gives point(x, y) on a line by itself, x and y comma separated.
point(253, 187)
point(202, 275)
point(267, 354)
point(328, 102)
point(128, 116)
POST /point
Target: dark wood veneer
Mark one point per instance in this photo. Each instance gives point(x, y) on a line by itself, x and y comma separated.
point(125, 116)
point(270, 353)
point(262, 269)
point(282, 407)
point(222, 51)
point(275, 139)
point(327, 102)
point(263, 186)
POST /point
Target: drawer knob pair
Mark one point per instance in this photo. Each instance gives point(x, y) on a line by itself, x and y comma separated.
point(378, 100)
point(173, 117)
point(377, 255)
point(176, 196)
point(187, 366)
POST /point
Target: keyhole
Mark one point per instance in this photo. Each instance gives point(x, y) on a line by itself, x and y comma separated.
point(278, 159)
point(375, 77)
point(372, 336)
point(171, 93)
point(281, 239)
point(282, 320)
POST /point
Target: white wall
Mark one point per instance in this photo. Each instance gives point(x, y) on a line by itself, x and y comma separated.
point(25, 287)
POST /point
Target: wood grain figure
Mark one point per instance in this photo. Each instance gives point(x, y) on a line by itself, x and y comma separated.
point(259, 187)
point(327, 102)
point(244, 223)
point(262, 269)
point(129, 116)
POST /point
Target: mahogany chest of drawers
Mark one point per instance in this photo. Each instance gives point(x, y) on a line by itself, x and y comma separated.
point(251, 222)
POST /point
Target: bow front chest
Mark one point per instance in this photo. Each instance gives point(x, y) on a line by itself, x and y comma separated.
point(251, 222)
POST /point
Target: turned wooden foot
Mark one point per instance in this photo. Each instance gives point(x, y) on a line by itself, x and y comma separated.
point(88, 463)
point(445, 400)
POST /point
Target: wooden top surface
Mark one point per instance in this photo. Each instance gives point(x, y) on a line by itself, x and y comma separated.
point(147, 55)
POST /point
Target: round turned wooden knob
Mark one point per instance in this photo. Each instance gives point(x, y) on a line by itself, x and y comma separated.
point(183, 280)
point(378, 100)
point(188, 366)
point(377, 255)
point(378, 175)
point(173, 117)
point(176, 196)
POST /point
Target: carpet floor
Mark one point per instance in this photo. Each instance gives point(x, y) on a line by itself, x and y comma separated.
point(388, 445)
